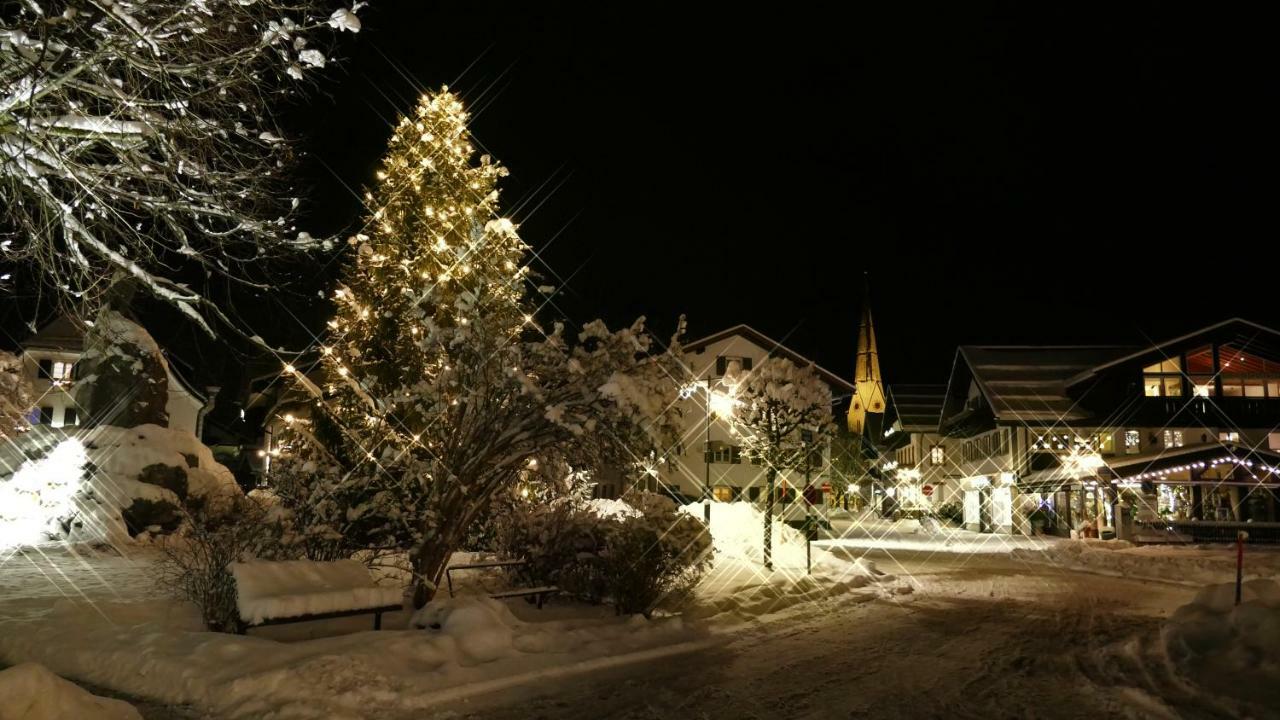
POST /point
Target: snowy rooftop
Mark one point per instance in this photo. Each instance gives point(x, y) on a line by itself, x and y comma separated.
point(1029, 383)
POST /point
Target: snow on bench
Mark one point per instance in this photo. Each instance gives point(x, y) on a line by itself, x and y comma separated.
point(276, 592)
point(538, 593)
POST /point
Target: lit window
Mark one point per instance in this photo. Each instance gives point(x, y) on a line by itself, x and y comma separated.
point(1132, 442)
point(61, 371)
point(1245, 374)
point(723, 493)
point(1200, 369)
point(1173, 438)
point(1164, 379)
point(937, 455)
point(1106, 443)
point(1229, 436)
point(1177, 438)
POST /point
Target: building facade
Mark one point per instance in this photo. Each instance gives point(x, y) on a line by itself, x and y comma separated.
point(1106, 441)
point(710, 460)
point(49, 360)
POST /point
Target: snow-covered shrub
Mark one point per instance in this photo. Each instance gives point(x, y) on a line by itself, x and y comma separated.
point(638, 552)
point(554, 539)
point(654, 557)
point(951, 512)
point(194, 563)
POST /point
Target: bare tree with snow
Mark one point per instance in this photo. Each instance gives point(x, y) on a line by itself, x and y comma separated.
point(783, 413)
point(138, 139)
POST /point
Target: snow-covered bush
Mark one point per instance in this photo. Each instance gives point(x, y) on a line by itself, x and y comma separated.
point(194, 563)
point(637, 552)
point(555, 539)
point(654, 557)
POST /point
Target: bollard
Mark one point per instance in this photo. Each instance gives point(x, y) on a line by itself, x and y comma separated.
point(1240, 538)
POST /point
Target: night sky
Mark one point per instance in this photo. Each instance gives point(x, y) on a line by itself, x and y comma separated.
point(1004, 175)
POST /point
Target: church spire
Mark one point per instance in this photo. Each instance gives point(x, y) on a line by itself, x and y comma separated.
point(867, 406)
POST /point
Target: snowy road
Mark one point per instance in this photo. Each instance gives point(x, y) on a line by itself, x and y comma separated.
point(983, 636)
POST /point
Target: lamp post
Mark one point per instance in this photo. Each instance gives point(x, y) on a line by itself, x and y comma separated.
point(806, 437)
point(706, 482)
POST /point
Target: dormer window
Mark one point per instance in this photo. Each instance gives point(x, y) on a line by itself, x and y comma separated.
point(1163, 379)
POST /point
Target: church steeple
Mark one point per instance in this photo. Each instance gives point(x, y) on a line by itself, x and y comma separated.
point(867, 407)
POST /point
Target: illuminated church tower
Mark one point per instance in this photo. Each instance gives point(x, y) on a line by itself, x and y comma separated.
point(866, 410)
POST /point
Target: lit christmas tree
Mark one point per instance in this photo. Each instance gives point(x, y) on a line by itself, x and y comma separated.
point(440, 389)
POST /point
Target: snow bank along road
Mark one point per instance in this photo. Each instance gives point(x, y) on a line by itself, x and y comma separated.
point(982, 636)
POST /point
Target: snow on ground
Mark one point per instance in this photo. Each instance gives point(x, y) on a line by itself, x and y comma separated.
point(1186, 564)
point(98, 618)
point(739, 588)
point(30, 692)
point(871, 532)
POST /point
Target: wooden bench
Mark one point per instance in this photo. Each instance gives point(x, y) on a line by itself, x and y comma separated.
point(289, 591)
point(538, 593)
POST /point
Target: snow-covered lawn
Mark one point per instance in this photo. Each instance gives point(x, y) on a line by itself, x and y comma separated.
point(30, 692)
point(97, 617)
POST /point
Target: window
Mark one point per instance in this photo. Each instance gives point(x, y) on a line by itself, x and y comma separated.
point(937, 455)
point(1106, 443)
point(731, 365)
point(723, 493)
point(1164, 379)
point(46, 416)
point(1132, 442)
point(45, 371)
point(1201, 371)
point(69, 416)
point(1172, 438)
point(722, 452)
point(1229, 437)
point(1244, 374)
point(61, 371)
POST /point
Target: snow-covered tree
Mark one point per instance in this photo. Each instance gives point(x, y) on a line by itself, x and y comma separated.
point(783, 414)
point(16, 397)
point(440, 388)
point(138, 139)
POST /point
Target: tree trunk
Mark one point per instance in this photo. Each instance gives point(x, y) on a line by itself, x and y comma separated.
point(428, 567)
point(768, 520)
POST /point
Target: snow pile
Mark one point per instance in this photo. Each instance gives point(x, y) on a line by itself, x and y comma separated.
point(40, 494)
point(83, 488)
point(1198, 565)
point(737, 532)
point(1231, 650)
point(605, 508)
point(293, 588)
point(30, 692)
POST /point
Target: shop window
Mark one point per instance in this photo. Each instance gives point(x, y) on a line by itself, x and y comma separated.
point(1106, 443)
point(1132, 442)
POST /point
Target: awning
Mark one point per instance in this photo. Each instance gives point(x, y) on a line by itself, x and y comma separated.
point(1216, 463)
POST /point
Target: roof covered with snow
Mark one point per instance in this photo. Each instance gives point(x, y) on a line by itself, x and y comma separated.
point(918, 407)
point(63, 333)
point(774, 348)
point(1026, 383)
